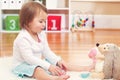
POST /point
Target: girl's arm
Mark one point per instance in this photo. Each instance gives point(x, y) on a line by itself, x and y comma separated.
point(48, 53)
point(72, 67)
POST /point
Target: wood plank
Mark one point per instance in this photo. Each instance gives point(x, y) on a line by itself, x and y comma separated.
point(70, 46)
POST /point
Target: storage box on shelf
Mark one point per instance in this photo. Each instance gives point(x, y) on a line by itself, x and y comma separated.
point(9, 21)
point(58, 8)
point(62, 21)
point(13, 7)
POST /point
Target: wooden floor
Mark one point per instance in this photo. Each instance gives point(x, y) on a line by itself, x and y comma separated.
point(70, 46)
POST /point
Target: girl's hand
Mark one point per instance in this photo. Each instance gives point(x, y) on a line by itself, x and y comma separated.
point(55, 70)
point(62, 65)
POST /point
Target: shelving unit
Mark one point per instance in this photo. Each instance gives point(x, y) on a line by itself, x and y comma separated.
point(59, 8)
point(101, 9)
point(97, 0)
point(106, 12)
point(5, 12)
point(80, 20)
point(9, 7)
point(56, 9)
point(0, 20)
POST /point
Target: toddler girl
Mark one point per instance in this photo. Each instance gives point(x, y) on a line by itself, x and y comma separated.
point(31, 44)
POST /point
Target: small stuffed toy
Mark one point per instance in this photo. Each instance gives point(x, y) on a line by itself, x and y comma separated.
point(92, 54)
point(111, 66)
point(98, 60)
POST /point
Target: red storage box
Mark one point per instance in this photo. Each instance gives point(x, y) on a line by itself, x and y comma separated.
point(54, 23)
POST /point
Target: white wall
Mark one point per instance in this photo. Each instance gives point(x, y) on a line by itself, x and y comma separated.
point(107, 21)
point(61, 4)
point(107, 14)
point(0, 19)
point(53, 4)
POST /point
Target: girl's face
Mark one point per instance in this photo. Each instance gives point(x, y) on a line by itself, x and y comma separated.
point(38, 23)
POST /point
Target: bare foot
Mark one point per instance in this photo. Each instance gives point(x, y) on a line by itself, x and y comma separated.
point(63, 77)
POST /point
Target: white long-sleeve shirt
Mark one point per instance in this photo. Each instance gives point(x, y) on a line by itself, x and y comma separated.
point(26, 49)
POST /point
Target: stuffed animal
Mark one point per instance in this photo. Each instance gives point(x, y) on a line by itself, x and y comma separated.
point(111, 66)
point(92, 54)
point(98, 60)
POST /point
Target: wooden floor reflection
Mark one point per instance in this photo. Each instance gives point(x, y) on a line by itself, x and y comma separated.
point(70, 46)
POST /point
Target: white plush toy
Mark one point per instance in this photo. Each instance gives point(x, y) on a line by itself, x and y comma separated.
point(111, 66)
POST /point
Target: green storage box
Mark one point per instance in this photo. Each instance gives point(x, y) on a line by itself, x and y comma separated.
point(12, 23)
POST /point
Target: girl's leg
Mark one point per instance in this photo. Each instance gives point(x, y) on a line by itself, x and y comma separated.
point(40, 74)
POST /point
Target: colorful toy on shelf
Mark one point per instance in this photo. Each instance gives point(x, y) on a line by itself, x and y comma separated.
point(82, 21)
point(78, 23)
point(73, 25)
point(86, 19)
point(93, 22)
point(73, 22)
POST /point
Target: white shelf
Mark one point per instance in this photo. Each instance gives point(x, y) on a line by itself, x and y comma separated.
point(59, 9)
point(0, 21)
point(7, 9)
point(11, 9)
point(97, 0)
point(82, 29)
point(5, 31)
point(55, 4)
point(58, 31)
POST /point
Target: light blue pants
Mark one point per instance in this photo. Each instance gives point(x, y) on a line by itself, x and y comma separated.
point(24, 70)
